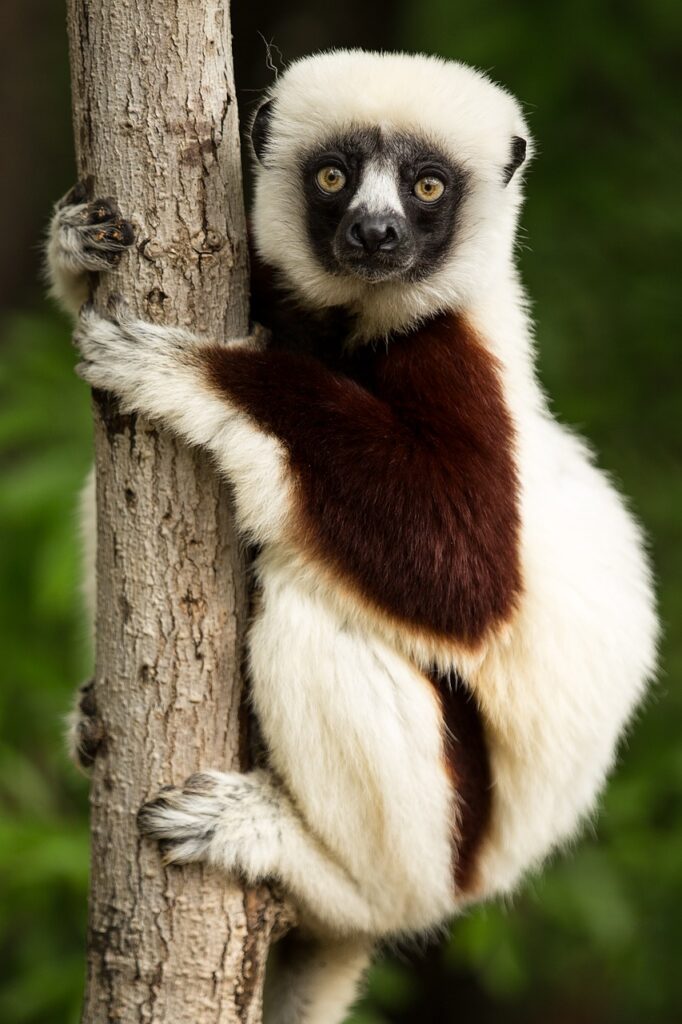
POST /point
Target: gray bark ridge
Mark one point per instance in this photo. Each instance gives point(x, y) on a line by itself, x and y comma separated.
point(155, 124)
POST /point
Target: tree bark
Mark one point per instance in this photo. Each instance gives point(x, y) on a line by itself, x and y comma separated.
point(155, 124)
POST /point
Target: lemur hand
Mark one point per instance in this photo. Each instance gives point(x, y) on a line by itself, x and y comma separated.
point(146, 365)
point(130, 357)
point(226, 818)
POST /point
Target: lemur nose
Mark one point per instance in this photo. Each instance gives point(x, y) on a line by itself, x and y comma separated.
point(374, 233)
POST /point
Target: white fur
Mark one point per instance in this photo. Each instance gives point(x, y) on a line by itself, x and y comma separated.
point(318, 985)
point(247, 824)
point(65, 264)
point(329, 697)
point(447, 104)
point(355, 810)
point(378, 190)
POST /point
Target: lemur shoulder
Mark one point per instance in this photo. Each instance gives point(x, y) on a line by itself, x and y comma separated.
point(456, 617)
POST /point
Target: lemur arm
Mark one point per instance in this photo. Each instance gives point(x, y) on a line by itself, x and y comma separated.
point(245, 404)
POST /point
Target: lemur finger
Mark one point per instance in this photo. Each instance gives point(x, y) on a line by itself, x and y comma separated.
point(86, 699)
point(90, 736)
point(181, 851)
point(78, 194)
point(199, 784)
point(103, 209)
point(172, 819)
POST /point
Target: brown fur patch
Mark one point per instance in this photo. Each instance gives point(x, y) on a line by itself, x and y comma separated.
point(468, 765)
point(403, 458)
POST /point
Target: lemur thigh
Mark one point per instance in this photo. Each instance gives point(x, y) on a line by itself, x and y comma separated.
point(313, 981)
point(246, 824)
point(356, 734)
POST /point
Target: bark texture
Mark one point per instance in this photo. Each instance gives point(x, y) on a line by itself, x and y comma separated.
point(156, 126)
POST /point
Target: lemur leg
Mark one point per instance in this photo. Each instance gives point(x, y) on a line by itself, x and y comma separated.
point(313, 981)
point(85, 235)
point(246, 824)
point(84, 730)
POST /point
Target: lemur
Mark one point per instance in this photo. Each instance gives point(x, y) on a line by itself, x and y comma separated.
point(455, 616)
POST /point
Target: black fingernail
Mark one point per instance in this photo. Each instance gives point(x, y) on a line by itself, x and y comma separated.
point(127, 232)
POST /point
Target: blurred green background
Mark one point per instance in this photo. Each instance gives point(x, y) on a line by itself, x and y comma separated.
point(596, 939)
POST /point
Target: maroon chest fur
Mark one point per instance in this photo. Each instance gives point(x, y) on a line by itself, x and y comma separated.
point(404, 462)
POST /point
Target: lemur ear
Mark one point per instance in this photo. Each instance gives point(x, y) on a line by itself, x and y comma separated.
point(518, 155)
point(260, 129)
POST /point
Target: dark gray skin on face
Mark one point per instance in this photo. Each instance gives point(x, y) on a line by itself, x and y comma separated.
point(382, 244)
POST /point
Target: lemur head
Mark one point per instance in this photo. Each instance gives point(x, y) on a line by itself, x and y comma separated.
point(387, 183)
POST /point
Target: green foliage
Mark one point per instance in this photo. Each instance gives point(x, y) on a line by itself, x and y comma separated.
point(44, 431)
point(596, 938)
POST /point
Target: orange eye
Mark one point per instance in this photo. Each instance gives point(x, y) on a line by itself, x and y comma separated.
point(429, 189)
point(330, 179)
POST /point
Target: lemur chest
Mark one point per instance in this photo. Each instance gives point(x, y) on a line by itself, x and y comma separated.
point(419, 513)
point(404, 483)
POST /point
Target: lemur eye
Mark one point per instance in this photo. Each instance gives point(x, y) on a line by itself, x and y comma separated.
point(330, 179)
point(429, 189)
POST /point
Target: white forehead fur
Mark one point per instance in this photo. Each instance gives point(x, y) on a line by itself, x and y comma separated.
point(453, 107)
point(378, 190)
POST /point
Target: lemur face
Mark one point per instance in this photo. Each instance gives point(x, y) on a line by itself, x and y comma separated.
point(386, 184)
point(381, 205)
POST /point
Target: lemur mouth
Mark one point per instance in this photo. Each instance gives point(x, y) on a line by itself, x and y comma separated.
point(374, 268)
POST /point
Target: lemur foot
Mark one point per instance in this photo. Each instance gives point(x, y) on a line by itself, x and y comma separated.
point(211, 817)
point(89, 234)
point(85, 732)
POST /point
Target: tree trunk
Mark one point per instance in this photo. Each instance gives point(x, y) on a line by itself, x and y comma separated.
point(156, 126)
